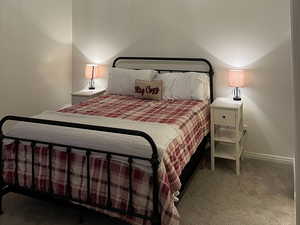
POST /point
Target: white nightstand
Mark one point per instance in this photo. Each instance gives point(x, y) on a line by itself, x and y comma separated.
point(228, 132)
point(83, 95)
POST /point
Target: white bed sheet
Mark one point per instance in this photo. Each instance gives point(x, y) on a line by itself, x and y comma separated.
point(162, 134)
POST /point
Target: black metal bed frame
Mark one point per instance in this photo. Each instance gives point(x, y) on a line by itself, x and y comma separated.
point(155, 218)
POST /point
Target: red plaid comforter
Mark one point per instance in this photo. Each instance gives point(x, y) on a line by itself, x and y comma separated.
point(191, 116)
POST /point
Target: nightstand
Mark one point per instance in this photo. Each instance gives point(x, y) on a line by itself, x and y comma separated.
point(83, 95)
point(228, 133)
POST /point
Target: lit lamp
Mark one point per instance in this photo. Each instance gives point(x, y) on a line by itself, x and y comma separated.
point(236, 79)
point(93, 71)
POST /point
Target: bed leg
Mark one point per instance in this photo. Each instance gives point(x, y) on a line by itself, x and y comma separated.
point(1, 210)
point(4, 189)
point(81, 220)
point(156, 217)
point(156, 220)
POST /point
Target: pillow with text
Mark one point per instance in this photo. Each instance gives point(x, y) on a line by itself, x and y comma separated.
point(148, 89)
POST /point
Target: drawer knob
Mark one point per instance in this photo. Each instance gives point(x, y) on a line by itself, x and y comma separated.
point(224, 117)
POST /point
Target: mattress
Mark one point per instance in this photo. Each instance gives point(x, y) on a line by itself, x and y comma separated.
point(162, 134)
point(176, 126)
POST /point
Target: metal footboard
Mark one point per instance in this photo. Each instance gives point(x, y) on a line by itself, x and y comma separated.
point(155, 218)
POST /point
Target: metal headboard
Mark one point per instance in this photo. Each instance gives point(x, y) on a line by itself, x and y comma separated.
point(209, 71)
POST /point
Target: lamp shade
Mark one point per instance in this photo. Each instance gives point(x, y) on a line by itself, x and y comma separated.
point(94, 71)
point(236, 78)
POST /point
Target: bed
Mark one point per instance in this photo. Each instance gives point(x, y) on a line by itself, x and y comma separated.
point(92, 156)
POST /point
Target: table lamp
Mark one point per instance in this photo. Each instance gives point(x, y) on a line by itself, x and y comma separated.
point(236, 79)
point(93, 71)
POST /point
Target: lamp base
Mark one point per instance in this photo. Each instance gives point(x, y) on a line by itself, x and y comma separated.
point(236, 94)
point(92, 84)
point(237, 99)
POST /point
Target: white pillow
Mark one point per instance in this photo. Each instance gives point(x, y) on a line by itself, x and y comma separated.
point(122, 81)
point(189, 85)
point(200, 86)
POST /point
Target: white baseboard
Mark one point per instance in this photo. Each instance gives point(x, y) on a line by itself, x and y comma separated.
point(269, 157)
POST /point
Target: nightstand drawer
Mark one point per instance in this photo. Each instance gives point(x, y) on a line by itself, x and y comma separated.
point(224, 117)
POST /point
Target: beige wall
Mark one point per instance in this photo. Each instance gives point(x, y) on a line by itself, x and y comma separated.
point(296, 82)
point(230, 33)
point(35, 55)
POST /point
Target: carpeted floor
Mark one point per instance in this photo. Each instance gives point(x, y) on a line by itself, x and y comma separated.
point(262, 195)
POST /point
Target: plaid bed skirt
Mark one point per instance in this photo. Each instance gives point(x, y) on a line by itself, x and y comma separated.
point(141, 179)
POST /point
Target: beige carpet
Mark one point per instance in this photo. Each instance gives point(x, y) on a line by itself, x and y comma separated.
point(262, 195)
